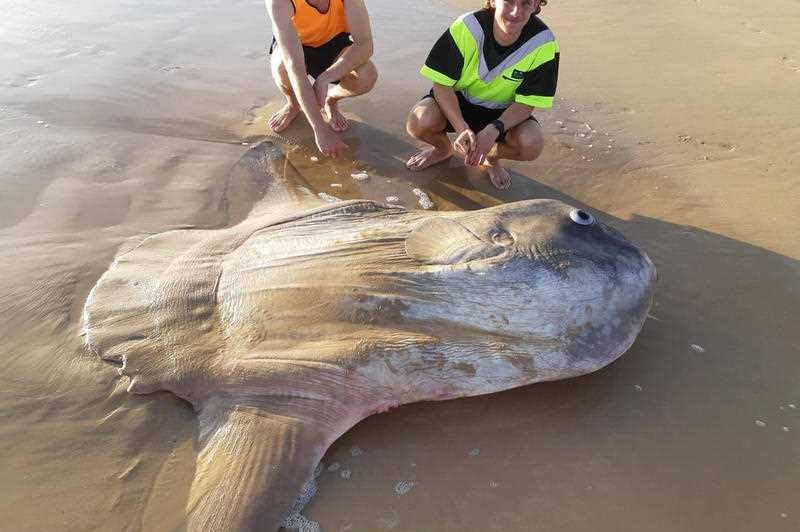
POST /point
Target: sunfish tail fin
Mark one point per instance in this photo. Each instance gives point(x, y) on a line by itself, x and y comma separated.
point(251, 468)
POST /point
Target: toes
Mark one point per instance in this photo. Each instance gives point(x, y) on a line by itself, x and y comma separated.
point(500, 179)
point(413, 162)
point(426, 159)
point(416, 163)
point(275, 122)
point(281, 125)
point(281, 120)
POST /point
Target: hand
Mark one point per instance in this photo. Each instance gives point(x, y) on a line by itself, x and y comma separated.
point(464, 143)
point(321, 85)
point(483, 143)
point(328, 142)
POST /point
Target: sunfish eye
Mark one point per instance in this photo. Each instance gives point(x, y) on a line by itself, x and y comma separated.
point(581, 217)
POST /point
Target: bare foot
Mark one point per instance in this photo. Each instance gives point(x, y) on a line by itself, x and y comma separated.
point(281, 120)
point(427, 158)
point(498, 175)
point(336, 120)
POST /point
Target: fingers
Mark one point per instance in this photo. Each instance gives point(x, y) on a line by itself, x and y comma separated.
point(335, 150)
point(465, 142)
point(475, 157)
point(414, 162)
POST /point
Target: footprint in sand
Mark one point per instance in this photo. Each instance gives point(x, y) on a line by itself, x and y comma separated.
point(24, 81)
point(753, 28)
point(688, 139)
point(64, 53)
point(96, 49)
point(791, 64)
point(355, 450)
point(404, 486)
point(255, 54)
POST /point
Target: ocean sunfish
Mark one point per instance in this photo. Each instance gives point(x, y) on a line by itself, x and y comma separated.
point(288, 328)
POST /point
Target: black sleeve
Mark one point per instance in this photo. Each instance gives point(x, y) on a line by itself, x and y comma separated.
point(542, 80)
point(445, 57)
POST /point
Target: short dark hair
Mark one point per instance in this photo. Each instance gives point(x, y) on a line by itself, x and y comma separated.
point(487, 4)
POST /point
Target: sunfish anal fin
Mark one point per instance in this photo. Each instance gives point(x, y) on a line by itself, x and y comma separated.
point(251, 467)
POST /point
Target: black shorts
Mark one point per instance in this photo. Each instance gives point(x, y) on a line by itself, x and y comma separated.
point(475, 116)
point(319, 58)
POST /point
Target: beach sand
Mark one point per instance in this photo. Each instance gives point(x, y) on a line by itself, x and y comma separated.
point(677, 123)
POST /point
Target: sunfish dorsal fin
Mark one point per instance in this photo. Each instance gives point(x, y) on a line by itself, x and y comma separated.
point(265, 170)
point(251, 467)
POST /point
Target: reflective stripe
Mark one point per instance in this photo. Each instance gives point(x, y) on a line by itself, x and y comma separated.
point(486, 75)
point(485, 103)
point(542, 102)
point(437, 77)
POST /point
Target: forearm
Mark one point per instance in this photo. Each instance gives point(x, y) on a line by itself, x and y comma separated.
point(303, 90)
point(448, 103)
point(516, 114)
point(353, 57)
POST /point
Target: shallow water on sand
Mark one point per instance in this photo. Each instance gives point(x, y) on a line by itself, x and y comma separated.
point(123, 119)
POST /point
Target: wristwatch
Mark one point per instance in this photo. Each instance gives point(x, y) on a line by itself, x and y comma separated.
point(501, 127)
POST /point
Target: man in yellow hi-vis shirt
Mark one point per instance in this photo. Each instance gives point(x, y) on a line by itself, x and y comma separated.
point(490, 70)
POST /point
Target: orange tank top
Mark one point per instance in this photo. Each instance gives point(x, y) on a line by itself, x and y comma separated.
point(315, 28)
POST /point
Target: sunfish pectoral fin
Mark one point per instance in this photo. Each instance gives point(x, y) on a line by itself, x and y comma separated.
point(444, 241)
point(251, 467)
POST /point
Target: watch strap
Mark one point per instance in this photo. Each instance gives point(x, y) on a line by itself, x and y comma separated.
point(500, 126)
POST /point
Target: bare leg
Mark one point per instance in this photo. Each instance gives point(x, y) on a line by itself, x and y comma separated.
point(426, 122)
point(284, 116)
point(360, 81)
point(523, 142)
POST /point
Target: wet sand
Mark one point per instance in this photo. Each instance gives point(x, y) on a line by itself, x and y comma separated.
point(677, 124)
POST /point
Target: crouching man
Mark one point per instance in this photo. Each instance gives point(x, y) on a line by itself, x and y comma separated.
point(331, 41)
point(490, 70)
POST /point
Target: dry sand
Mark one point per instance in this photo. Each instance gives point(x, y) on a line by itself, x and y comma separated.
point(678, 123)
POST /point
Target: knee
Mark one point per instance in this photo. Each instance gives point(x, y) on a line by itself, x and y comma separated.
point(530, 144)
point(421, 120)
point(362, 80)
point(368, 76)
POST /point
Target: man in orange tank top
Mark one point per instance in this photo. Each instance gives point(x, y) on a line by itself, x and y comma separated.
point(331, 41)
